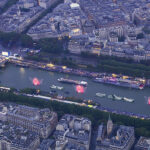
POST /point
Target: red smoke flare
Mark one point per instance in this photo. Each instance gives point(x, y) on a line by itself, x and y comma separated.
point(79, 89)
point(35, 82)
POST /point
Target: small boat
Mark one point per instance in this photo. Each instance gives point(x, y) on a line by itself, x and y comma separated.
point(56, 87)
point(53, 87)
point(117, 97)
point(100, 94)
point(128, 99)
point(110, 96)
point(60, 88)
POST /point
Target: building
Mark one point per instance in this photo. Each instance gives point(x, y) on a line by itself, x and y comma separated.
point(20, 15)
point(73, 132)
point(113, 137)
point(2, 3)
point(17, 138)
point(143, 144)
point(46, 3)
point(47, 144)
point(41, 121)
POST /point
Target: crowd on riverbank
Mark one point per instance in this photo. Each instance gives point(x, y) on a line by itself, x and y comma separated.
point(65, 69)
point(72, 100)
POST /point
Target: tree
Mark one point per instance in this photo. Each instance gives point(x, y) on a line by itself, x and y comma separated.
point(51, 45)
point(26, 41)
point(9, 39)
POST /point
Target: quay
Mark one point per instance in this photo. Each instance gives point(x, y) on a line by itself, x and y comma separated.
point(94, 75)
point(100, 108)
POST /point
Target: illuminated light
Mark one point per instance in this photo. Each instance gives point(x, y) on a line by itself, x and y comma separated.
point(90, 106)
point(64, 67)
point(114, 75)
point(79, 89)
point(5, 53)
point(125, 77)
point(38, 91)
point(89, 101)
point(35, 82)
point(76, 30)
point(50, 65)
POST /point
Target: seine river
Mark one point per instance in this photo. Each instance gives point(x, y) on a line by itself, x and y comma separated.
point(17, 77)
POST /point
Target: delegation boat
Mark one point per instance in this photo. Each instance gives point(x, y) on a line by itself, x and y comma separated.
point(100, 94)
point(70, 81)
point(120, 82)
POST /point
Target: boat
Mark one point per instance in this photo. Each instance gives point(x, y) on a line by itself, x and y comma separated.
point(128, 99)
point(100, 94)
point(120, 82)
point(56, 87)
point(110, 96)
point(70, 81)
point(117, 97)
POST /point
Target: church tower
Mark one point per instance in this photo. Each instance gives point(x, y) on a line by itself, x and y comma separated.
point(109, 126)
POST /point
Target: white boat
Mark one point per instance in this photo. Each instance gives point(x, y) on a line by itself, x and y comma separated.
point(56, 87)
point(53, 87)
point(59, 87)
point(110, 96)
point(100, 94)
point(117, 97)
point(128, 99)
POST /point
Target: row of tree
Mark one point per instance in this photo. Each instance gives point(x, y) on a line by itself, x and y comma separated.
point(119, 65)
point(11, 39)
point(142, 127)
point(49, 45)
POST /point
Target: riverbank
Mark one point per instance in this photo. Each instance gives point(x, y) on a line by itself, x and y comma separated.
point(70, 100)
point(139, 83)
point(96, 116)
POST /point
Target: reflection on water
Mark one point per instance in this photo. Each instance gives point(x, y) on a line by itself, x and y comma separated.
point(13, 76)
point(22, 70)
point(51, 73)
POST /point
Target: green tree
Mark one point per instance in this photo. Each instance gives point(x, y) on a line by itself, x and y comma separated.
point(26, 41)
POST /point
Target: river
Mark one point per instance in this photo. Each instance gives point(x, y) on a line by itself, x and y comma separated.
point(17, 77)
